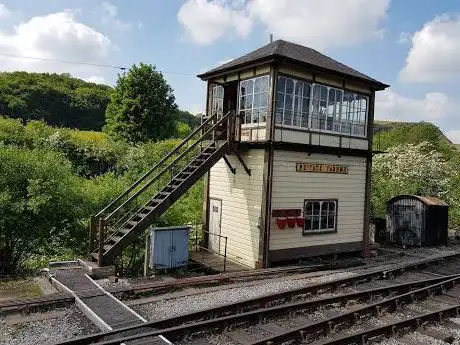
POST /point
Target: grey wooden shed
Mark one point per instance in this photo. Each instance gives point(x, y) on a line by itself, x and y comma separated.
point(416, 221)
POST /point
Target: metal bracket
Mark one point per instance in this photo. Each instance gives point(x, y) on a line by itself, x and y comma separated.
point(232, 169)
point(237, 154)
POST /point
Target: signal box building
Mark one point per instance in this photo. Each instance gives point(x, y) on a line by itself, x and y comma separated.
point(296, 183)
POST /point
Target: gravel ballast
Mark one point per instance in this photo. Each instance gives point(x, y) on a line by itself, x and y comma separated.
point(164, 309)
point(54, 330)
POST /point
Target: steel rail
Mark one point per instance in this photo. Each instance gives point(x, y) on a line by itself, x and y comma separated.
point(39, 302)
point(393, 328)
point(324, 327)
point(250, 312)
point(332, 285)
point(297, 335)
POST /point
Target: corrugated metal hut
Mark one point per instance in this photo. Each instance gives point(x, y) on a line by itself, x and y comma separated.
point(417, 220)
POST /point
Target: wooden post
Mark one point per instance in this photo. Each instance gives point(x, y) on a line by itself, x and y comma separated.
point(147, 254)
point(101, 241)
point(91, 237)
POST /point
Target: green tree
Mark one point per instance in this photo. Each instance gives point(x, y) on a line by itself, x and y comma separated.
point(39, 206)
point(57, 99)
point(142, 106)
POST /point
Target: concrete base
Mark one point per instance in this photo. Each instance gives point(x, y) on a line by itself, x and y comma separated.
point(95, 271)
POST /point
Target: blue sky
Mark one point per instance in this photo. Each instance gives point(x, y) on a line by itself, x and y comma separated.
point(413, 45)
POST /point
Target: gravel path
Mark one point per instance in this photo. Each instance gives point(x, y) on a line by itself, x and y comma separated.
point(73, 324)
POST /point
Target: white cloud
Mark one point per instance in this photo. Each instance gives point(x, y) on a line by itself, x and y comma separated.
point(454, 136)
point(435, 51)
point(318, 24)
point(321, 24)
point(97, 79)
point(206, 21)
point(4, 11)
point(110, 17)
point(390, 105)
point(57, 36)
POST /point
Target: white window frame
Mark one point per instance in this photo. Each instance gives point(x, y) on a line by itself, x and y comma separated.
point(337, 120)
point(299, 99)
point(322, 203)
point(253, 94)
point(217, 101)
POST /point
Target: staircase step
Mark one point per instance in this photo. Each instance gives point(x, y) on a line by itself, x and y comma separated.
point(149, 208)
point(132, 222)
point(107, 247)
point(164, 193)
point(123, 231)
point(114, 239)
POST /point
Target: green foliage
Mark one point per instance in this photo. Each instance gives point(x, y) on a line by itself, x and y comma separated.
point(59, 100)
point(388, 134)
point(182, 130)
point(72, 174)
point(416, 169)
point(142, 107)
point(188, 118)
point(39, 205)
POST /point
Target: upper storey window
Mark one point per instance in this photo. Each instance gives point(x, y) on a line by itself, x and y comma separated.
point(217, 105)
point(253, 99)
point(292, 102)
point(319, 107)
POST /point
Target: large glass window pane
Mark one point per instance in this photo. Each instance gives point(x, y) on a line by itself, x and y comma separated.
point(288, 103)
point(253, 98)
point(288, 117)
point(281, 86)
point(290, 86)
point(257, 100)
point(262, 114)
point(279, 101)
point(264, 99)
point(320, 215)
point(248, 103)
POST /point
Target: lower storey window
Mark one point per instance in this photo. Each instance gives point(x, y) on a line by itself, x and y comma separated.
point(320, 216)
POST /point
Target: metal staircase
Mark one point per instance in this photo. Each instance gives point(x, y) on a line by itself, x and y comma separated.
point(132, 212)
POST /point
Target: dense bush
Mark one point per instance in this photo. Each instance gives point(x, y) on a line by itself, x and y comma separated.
point(53, 179)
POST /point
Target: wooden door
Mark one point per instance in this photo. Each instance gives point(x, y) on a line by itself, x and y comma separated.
point(215, 216)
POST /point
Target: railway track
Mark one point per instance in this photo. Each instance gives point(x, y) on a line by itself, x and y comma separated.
point(162, 287)
point(282, 317)
point(155, 287)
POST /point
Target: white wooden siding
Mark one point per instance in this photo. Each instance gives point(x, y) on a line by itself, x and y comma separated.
point(291, 188)
point(241, 197)
point(287, 135)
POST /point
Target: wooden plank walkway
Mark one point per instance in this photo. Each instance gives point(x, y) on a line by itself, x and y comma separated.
point(103, 309)
point(216, 262)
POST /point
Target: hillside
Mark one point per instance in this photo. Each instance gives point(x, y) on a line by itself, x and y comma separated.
point(390, 133)
point(58, 99)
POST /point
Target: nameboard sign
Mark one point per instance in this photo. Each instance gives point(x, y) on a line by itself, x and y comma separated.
point(321, 168)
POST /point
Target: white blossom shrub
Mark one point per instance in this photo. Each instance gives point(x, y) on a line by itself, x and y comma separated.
point(411, 169)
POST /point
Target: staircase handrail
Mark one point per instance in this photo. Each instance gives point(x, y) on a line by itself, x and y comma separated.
point(165, 169)
point(151, 170)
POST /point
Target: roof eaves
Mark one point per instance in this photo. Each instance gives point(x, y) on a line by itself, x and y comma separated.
point(217, 72)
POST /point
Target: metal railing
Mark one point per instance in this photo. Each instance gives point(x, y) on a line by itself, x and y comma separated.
point(107, 221)
point(200, 246)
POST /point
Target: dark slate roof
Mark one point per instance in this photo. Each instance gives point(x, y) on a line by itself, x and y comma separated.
point(294, 52)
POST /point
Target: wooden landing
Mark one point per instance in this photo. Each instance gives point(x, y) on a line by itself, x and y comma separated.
point(216, 262)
